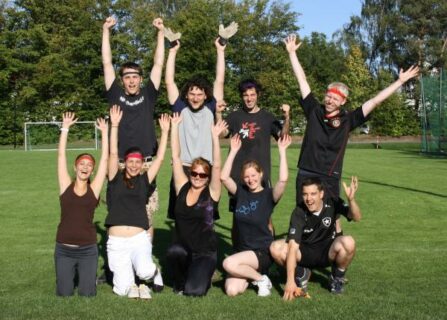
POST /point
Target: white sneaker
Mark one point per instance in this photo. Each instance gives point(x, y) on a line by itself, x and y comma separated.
point(144, 291)
point(133, 292)
point(264, 286)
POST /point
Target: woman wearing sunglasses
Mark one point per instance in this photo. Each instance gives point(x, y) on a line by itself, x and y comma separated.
point(193, 255)
point(254, 206)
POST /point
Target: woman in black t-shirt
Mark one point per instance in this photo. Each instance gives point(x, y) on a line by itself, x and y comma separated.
point(193, 255)
point(254, 206)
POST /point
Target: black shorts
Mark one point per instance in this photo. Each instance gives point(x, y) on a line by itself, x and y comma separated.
point(265, 260)
point(315, 255)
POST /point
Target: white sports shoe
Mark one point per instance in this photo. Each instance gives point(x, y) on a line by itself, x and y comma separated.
point(264, 286)
point(133, 292)
point(145, 292)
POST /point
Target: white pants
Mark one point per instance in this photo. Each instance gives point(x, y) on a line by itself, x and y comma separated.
point(129, 254)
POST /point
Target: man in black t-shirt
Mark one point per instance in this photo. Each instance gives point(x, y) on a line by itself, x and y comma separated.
point(311, 240)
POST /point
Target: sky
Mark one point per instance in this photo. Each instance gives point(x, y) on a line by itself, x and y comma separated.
point(325, 16)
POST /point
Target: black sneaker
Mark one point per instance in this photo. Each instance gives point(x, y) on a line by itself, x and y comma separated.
point(302, 282)
point(336, 285)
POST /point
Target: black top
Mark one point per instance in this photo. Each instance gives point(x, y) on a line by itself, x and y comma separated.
point(195, 224)
point(137, 128)
point(127, 206)
point(254, 130)
point(307, 228)
point(325, 139)
point(251, 217)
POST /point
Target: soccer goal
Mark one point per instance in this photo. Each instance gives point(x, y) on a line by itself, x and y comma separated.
point(44, 136)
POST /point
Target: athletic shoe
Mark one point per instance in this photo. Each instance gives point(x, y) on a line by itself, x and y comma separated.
point(302, 281)
point(264, 286)
point(336, 285)
point(133, 292)
point(158, 282)
point(144, 292)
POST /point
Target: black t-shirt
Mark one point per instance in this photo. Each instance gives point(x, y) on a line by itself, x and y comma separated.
point(251, 218)
point(307, 228)
point(127, 206)
point(325, 139)
point(137, 127)
point(195, 224)
point(254, 130)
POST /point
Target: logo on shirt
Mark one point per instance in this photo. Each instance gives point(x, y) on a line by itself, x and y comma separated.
point(310, 230)
point(244, 209)
point(248, 130)
point(326, 222)
point(131, 104)
point(292, 231)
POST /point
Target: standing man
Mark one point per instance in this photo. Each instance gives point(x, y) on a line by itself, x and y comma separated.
point(311, 241)
point(328, 125)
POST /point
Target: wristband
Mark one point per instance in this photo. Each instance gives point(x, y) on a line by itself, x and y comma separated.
point(64, 129)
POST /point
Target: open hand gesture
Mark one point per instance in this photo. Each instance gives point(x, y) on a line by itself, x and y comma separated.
point(218, 128)
point(291, 44)
point(102, 125)
point(352, 189)
point(235, 142)
point(176, 118)
point(109, 23)
point(164, 122)
point(115, 115)
point(411, 72)
point(68, 119)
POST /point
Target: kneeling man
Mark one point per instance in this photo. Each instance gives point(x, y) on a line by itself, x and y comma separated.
point(311, 241)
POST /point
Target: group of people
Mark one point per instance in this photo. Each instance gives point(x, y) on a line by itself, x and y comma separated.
point(133, 159)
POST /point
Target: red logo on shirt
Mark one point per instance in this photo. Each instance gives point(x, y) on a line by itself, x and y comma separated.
point(248, 130)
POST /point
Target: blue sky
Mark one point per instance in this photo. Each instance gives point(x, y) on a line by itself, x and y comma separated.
point(326, 16)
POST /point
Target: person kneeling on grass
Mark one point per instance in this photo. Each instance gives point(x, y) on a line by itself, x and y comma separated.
point(253, 208)
point(129, 247)
point(76, 249)
point(311, 241)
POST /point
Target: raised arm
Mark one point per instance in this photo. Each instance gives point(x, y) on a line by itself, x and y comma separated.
point(291, 287)
point(218, 90)
point(101, 172)
point(159, 55)
point(164, 122)
point(215, 185)
point(292, 47)
point(68, 119)
point(286, 125)
point(404, 76)
point(179, 175)
point(171, 87)
point(280, 186)
point(115, 118)
point(354, 209)
point(106, 52)
point(225, 177)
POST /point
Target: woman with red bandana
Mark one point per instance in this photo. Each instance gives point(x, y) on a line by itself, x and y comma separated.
point(76, 248)
point(129, 247)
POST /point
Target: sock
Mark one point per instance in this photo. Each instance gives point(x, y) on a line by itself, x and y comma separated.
point(337, 272)
point(299, 272)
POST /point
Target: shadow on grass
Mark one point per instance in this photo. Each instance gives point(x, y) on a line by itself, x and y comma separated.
point(405, 188)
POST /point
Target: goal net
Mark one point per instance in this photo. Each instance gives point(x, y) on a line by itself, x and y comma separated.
point(45, 136)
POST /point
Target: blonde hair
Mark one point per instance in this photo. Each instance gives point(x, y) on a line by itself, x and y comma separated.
point(340, 87)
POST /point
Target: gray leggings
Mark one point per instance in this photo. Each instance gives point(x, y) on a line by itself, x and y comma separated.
point(69, 260)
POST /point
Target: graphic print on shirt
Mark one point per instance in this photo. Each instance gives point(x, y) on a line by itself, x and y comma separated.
point(208, 220)
point(248, 130)
point(245, 209)
point(132, 104)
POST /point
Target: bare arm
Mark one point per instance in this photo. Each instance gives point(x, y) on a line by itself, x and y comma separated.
point(171, 87)
point(179, 175)
point(404, 76)
point(286, 126)
point(215, 185)
point(218, 90)
point(115, 118)
point(291, 47)
point(159, 55)
point(156, 164)
point(68, 119)
point(280, 186)
point(354, 209)
point(290, 288)
point(106, 51)
point(225, 176)
point(98, 182)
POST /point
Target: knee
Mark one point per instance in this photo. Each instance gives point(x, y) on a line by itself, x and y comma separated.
point(231, 291)
point(229, 264)
point(196, 290)
point(175, 252)
point(146, 272)
point(349, 244)
point(278, 250)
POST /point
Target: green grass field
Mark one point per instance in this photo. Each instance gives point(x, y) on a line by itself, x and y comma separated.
point(399, 271)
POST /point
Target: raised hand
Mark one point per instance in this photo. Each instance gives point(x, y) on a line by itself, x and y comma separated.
point(285, 108)
point(411, 72)
point(164, 122)
point(173, 38)
point(68, 119)
point(109, 23)
point(220, 44)
point(218, 128)
point(102, 125)
point(220, 106)
point(235, 142)
point(158, 23)
point(176, 118)
point(352, 189)
point(284, 142)
point(291, 44)
point(115, 115)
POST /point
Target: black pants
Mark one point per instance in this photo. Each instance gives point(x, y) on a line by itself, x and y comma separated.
point(69, 260)
point(172, 195)
point(192, 272)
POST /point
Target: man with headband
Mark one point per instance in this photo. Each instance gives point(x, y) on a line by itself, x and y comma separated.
point(328, 127)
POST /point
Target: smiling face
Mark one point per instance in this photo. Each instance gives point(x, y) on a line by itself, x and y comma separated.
point(252, 176)
point(84, 166)
point(199, 176)
point(133, 166)
point(196, 97)
point(250, 98)
point(313, 198)
point(333, 102)
point(131, 81)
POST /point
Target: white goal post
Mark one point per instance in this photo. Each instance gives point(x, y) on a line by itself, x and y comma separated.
point(44, 136)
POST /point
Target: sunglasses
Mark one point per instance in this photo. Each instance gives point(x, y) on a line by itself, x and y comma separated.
point(201, 175)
